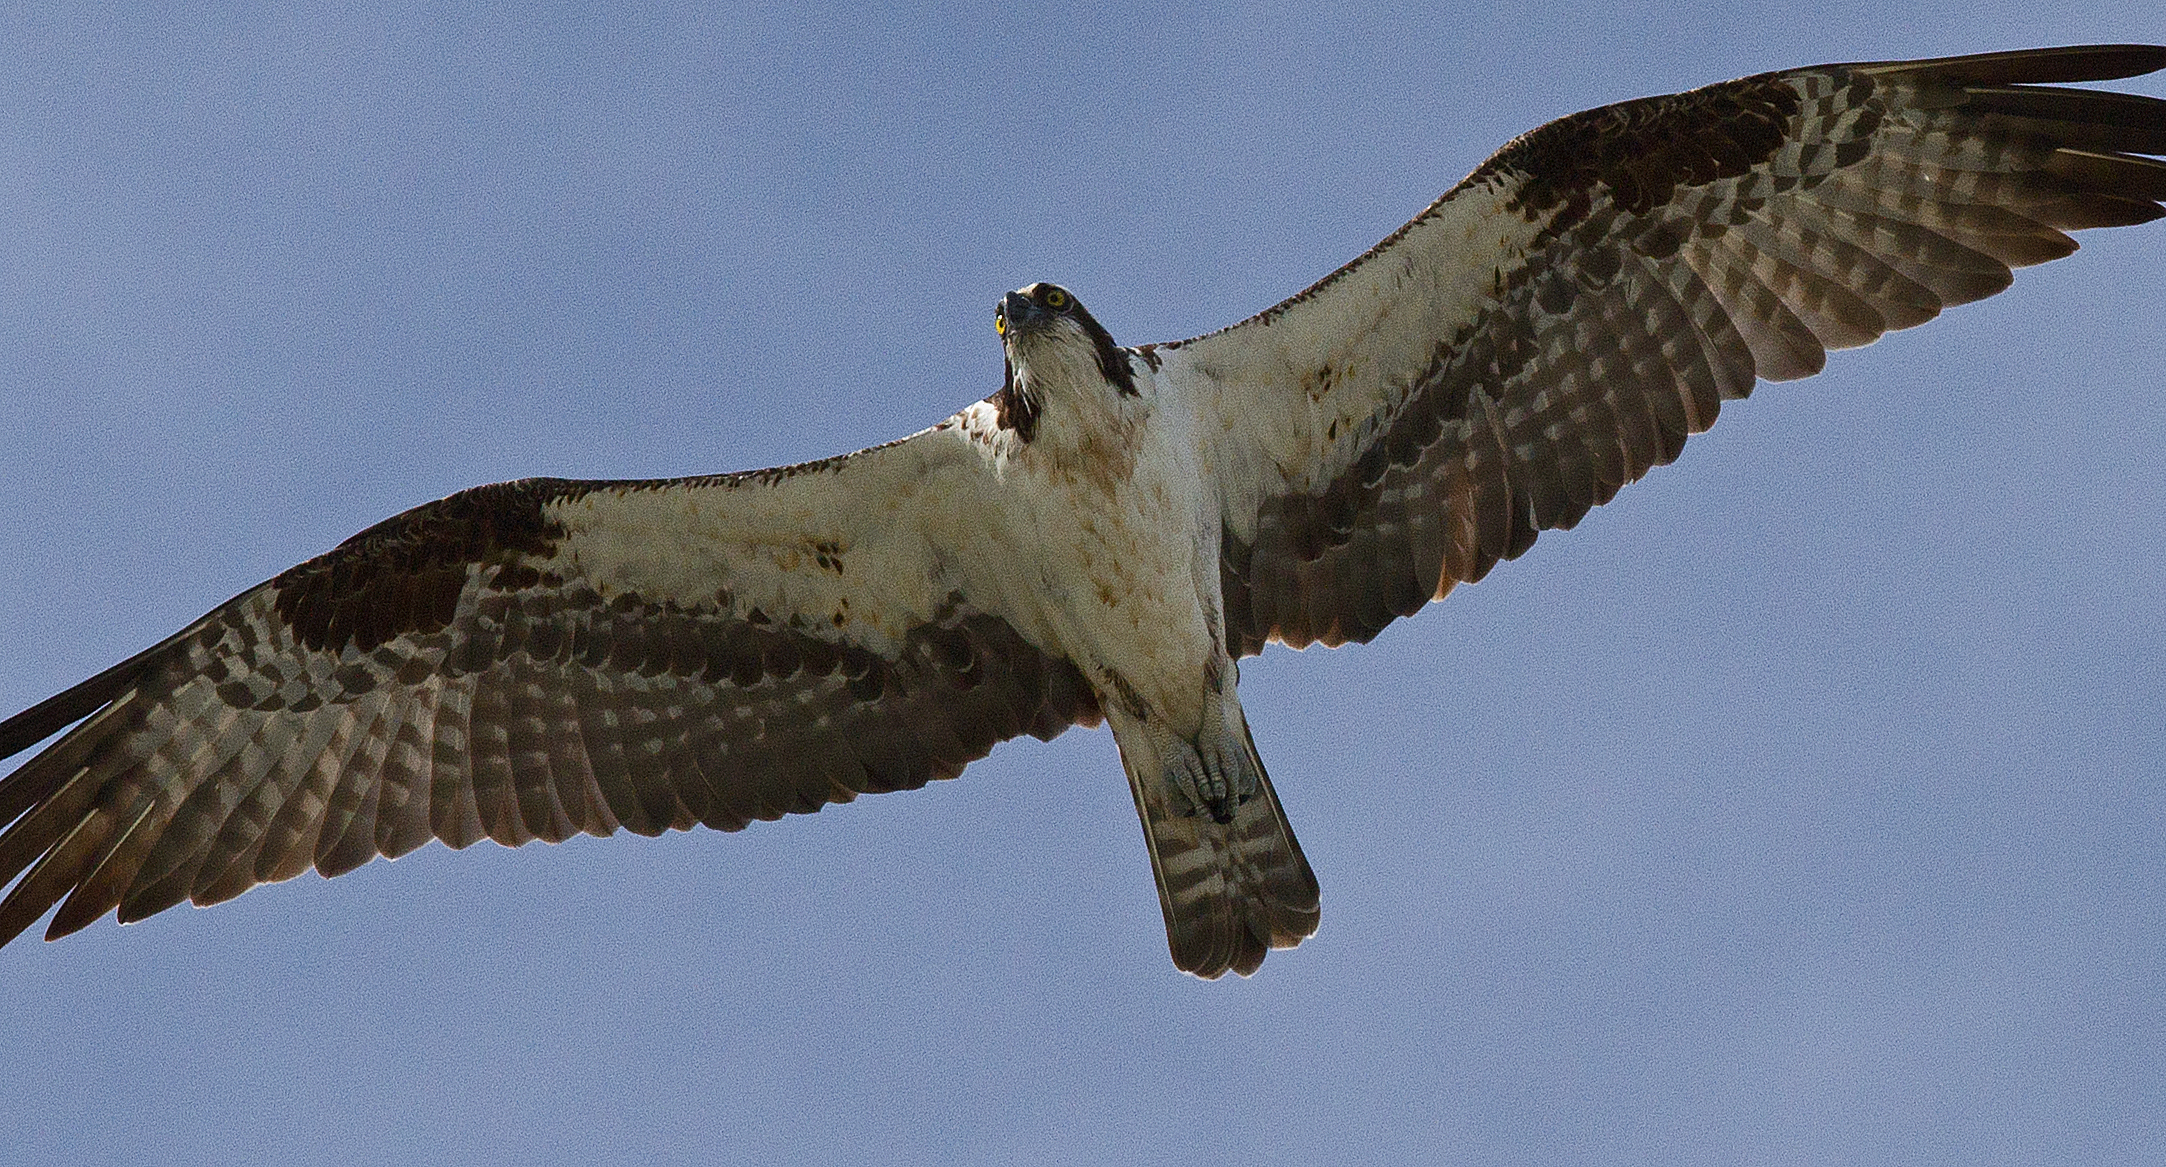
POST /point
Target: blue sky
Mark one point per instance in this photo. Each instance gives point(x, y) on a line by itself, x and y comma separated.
point(1803, 805)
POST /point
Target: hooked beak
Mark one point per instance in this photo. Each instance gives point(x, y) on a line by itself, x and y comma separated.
point(1022, 313)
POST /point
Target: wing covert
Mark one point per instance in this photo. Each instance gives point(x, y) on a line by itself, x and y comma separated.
point(1563, 319)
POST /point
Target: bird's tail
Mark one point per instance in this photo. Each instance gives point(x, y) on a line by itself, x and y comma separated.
point(1231, 879)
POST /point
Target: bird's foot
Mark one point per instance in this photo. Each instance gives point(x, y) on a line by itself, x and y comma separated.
point(1215, 776)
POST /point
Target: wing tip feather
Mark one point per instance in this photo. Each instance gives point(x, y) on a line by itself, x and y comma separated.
point(2046, 66)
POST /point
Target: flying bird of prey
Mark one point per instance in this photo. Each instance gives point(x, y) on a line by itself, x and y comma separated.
point(1098, 541)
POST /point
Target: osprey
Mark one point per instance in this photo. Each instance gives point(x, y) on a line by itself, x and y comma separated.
point(1101, 540)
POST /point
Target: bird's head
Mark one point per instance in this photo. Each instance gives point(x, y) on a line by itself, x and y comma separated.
point(1057, 354)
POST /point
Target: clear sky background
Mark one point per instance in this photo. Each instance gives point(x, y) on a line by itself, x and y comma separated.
point(1802, 806)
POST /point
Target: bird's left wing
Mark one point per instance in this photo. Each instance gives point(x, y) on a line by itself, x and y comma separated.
point(1564, 318)
point(531, 660)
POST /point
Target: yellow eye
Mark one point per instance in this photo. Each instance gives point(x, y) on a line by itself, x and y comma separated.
point(1056, 299)
point(1000, 323)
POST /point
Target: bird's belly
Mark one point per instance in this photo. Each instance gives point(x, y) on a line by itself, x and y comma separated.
point(1125, 599)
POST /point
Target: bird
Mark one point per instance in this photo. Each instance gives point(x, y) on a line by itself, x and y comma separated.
point(1100, 541)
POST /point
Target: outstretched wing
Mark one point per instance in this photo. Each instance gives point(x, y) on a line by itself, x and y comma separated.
point(1563, 319)
point(531, 660)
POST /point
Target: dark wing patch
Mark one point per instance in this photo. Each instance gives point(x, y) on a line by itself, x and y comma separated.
point(1637, 153)
point(406, 573)
point(1692, 244)
point(254, 746)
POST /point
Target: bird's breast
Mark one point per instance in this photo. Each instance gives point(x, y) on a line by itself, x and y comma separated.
point(1120, 564)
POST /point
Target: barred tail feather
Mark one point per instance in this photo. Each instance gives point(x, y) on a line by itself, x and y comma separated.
point(1230, 891)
